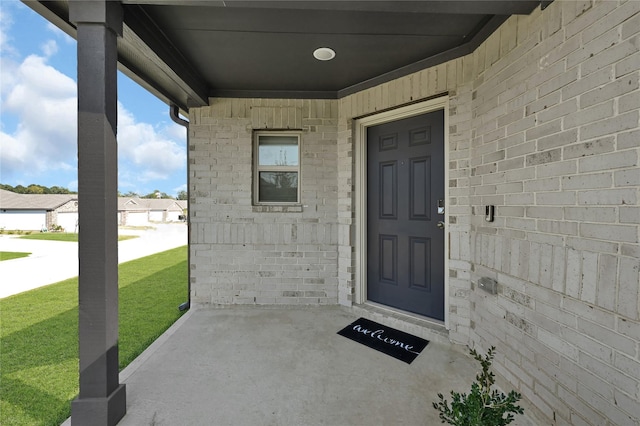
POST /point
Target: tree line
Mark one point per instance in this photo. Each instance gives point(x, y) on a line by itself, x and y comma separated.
point(36, 189)
point(41, 189)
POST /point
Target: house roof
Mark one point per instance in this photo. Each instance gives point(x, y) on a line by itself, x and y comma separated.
point(13, 201)
point(186, 51)
point(144, 204)
point(162, 204)
point(131, 204)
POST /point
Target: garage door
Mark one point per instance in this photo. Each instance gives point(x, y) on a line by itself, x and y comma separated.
point(26, 220)
point(137, 219)
point(174, 216)
point(68, 221)
point(156, 215)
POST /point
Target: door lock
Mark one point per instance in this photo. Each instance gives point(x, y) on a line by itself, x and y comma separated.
point(440, 224)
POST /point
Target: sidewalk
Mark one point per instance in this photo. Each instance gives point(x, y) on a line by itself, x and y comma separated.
point(53, 261)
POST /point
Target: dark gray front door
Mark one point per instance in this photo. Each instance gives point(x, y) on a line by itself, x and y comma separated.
point(405, 180)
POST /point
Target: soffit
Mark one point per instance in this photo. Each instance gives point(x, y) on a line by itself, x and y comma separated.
point(186, 51)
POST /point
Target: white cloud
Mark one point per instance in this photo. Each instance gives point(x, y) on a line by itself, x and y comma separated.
point(49, 48)
point(38, 127)
point(6, 21)
point(8, 72)
point(7, 50)
point(175, 131)
point(60, 34)
point(154, 152)
point(45, 138)
point(44, 100)
point(180, 188)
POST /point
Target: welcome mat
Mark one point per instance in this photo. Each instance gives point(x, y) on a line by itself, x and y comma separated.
point(396, 343)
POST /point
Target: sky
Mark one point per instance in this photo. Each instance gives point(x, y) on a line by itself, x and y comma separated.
point(38, 114)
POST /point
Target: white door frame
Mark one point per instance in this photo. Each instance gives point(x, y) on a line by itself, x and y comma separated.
point(361, 126)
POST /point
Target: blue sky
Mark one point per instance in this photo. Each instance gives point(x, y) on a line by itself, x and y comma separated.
point(38, 114)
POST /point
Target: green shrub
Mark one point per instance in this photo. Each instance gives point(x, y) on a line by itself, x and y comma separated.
point(483, 406)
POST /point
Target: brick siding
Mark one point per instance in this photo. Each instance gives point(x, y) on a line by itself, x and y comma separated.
point(543, 123)
point(564, 246)
point(245, 254)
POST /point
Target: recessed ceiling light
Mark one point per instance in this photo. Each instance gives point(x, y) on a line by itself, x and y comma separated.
point(324, 54)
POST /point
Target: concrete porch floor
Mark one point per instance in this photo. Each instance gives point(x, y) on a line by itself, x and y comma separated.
point(285, 366)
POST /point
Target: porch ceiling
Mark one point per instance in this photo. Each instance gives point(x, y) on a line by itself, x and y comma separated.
point(186, 51)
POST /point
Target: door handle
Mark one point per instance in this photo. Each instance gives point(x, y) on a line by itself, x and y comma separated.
point(440, 224)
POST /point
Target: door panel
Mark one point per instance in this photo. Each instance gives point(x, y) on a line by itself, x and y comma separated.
point(405, 178)
point(419, 250)
point(389, 259)
point(389, 190)
point(419, 189)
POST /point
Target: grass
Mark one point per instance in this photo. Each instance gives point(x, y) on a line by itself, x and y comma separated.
point(8, 255)
point(15, 232)
point(65, 236)
point(39, 335)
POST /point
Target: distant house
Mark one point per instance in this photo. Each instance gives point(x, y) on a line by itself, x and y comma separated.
point(165, 210)
point(34, 212)
point(31, 212)
point(133, 211)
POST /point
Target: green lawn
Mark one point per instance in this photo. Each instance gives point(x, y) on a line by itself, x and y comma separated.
point(39, 335)
point(65, 236)
point(8, 255)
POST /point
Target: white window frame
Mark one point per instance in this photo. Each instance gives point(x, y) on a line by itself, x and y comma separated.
point(257, 168)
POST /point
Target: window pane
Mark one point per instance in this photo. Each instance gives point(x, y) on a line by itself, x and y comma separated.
point(278, 150)
point(278, 187)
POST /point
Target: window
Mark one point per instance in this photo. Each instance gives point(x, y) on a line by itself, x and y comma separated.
point(277, 168)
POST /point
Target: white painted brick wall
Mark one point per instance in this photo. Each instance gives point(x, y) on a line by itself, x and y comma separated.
point(580, 230)
point(544, 123)
point(262, 255)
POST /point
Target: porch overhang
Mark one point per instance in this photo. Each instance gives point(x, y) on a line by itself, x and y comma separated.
point(187, 51)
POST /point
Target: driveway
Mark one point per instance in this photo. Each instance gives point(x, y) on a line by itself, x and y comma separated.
point(53, 261)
